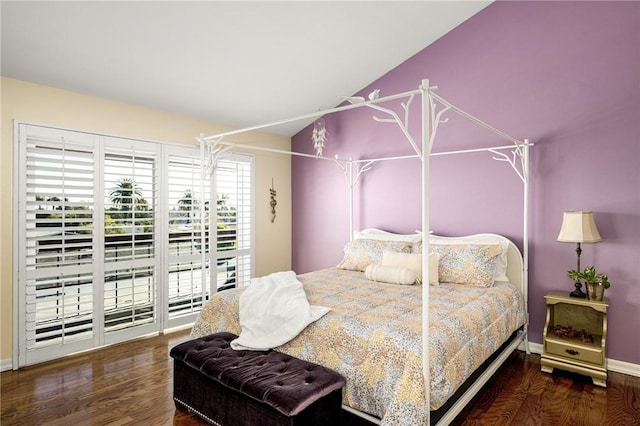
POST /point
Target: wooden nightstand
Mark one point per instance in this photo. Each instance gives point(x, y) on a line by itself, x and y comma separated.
point(585, 353)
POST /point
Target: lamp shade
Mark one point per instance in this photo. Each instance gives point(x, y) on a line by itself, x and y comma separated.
point(578, 227)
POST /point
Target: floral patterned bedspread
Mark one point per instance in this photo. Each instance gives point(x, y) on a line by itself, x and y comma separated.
point(372, 336)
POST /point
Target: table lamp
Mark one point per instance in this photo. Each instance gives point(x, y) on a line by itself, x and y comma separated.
point(578, 227)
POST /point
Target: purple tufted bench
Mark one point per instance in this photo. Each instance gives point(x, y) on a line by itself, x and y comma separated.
point(237, 388)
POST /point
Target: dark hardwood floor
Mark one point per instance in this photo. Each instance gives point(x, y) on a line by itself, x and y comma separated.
point(131, 384)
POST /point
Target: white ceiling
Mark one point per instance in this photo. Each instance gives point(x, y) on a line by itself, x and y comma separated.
point(237, 63)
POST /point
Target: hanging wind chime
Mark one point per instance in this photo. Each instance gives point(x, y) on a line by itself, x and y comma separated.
point(319, 136)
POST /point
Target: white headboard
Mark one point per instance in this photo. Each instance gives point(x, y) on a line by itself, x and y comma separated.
point(515, 262)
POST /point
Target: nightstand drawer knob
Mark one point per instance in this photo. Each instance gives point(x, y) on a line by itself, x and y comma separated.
point(572, 352)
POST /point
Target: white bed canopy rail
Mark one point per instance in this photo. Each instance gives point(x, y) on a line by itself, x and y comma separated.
point(433, 108)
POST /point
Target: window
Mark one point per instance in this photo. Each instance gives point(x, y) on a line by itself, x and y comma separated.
point(128, 174)
point(234, 183)
point(57, 218)
point(188, 236)
point(113, 238)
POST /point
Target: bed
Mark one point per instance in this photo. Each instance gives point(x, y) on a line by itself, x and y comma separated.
point(373, 333)
point(385, 410)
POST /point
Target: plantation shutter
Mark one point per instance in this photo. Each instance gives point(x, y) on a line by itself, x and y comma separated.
point(112, 238)
point(188, 235)
point(130, 264)
point(234, 186)
point(56, 212)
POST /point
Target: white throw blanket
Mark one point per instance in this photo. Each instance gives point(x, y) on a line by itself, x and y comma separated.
point(273, 310)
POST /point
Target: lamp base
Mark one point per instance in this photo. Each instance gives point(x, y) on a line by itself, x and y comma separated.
point(578, 291)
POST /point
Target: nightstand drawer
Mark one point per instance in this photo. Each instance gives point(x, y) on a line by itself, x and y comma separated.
point(577, 352)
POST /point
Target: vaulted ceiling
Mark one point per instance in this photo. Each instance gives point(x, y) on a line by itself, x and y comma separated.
point(237, 63)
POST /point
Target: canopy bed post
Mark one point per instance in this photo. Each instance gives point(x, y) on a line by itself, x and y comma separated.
point(426, 151)
point(352, 173)
point(525, 238)
point(210, 154)
point(212, 221)
point(350, 199)
point(521, 152)
point(350, 179)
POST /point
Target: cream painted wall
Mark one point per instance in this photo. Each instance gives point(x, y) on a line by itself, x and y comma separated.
point(38, 104)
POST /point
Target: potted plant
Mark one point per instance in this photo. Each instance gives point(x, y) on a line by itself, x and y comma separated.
point(596, 283)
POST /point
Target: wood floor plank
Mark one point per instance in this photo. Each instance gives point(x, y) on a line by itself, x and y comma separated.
point(132, 384)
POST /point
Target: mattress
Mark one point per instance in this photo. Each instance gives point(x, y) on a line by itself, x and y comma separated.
point(372, 336)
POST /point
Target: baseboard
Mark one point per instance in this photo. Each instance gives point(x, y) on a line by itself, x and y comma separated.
point(536, 348)
point(6, 364)
point(612, 364)
point(623, 367)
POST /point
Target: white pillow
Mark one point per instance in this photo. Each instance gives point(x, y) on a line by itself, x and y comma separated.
point(434, 262)
point(413, 261)
point(390, 274)
point(500, 273)
point(379, 234)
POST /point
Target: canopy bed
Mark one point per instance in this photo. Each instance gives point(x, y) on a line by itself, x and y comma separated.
point(390, 340)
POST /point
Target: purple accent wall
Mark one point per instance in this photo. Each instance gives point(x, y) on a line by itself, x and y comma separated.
point(566, 75)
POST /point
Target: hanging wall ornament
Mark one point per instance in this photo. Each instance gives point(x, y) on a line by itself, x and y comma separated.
point(273, 202)
point(319, 136)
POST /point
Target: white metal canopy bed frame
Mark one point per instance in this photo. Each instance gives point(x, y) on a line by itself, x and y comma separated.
point(434, 106)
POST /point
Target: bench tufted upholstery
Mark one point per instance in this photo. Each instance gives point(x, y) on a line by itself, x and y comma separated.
point(284, 383)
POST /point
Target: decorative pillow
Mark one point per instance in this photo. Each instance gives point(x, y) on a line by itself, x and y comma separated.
point(358, 254)
point(413, 261)
point(473, 264)
point(501, 261)
point(403, 260)
point(378, 234)
point(390, 274)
